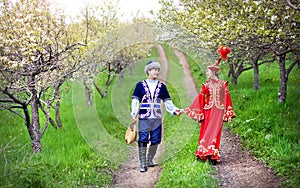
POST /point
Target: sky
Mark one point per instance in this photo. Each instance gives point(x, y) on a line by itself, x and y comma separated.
point(129, 8)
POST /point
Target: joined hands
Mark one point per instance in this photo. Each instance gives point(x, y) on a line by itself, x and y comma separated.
point(179, 112)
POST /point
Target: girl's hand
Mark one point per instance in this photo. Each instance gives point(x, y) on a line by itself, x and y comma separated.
point(179, 112)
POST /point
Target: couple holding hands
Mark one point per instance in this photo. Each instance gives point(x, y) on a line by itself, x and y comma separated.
point(210, 109)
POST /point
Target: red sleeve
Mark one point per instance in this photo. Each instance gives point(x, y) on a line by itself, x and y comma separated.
point(195, 111)
point(228, 111)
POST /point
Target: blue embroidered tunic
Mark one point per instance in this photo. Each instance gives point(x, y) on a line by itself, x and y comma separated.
point(154, 92)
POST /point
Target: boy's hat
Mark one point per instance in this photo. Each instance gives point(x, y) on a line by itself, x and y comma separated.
point(151, 65)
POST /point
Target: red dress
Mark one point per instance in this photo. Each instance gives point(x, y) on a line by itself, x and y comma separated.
point(210, 108)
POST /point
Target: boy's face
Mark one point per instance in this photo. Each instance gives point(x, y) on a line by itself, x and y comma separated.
point(153, 74)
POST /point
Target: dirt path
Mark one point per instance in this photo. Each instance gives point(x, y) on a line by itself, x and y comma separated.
point(238, 168)
point(129, 176)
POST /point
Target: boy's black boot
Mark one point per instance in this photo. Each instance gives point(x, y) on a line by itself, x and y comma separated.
point(142, 156)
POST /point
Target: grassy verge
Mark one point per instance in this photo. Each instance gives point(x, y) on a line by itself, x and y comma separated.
point(270, 130)
point(182, 169)
point(66, 161)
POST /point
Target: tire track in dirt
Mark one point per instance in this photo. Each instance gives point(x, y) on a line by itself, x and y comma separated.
point(238, 169)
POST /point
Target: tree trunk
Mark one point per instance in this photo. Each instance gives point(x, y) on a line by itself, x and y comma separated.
point(57, 105)
point(34, 127)
point(102, 94)
point(234, 80)
point(256, 75)
point(87, 94)
point(45, 113)
point(297, 54)
point(233, 74)
point(283, 79)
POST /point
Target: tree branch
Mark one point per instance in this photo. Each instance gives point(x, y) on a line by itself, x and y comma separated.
point(13, 111)
point(291, 67)
point(47, 120)
point(292, 5)
point(71, 46)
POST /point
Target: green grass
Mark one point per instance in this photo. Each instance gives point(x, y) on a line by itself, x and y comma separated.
point(269, 130)
point(182, 169)
point(66, 161)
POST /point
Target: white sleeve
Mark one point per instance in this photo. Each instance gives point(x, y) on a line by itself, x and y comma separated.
point(134, 107)
point(170, 107)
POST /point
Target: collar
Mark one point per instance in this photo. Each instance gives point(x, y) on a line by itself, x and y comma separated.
point(151, 81)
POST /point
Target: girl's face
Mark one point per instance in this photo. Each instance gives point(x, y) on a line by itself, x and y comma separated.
point(209, 73)
point(153, 74)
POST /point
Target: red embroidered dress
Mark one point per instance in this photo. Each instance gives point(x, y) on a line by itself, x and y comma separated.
point(210, 108)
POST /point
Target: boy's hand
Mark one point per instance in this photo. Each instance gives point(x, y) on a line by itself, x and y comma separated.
point(178, 112)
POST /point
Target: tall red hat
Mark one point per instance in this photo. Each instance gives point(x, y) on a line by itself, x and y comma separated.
point(223, 51)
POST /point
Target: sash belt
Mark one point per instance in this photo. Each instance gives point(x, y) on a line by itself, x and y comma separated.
point(150, 106)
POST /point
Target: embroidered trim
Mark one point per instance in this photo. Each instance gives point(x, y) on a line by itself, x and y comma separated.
point(207, 153)
point(215, 91)
point(195, 114)
point(149, 99)
point(229, 113)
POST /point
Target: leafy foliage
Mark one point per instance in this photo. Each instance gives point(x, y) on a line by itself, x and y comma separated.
point(252, 29)
point(269, 130)
point(36, 59)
